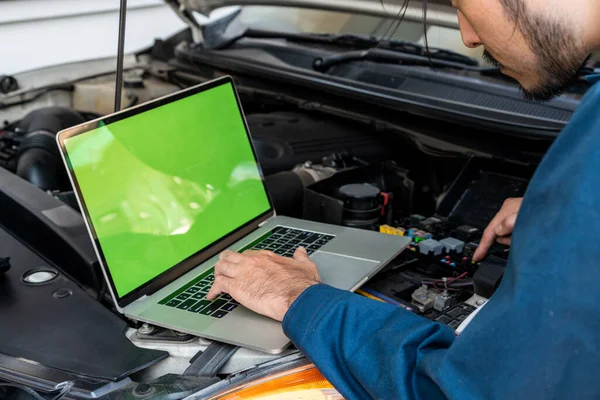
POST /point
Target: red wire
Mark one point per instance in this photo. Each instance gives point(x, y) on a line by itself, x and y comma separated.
point(459, 277)
point(451, 279)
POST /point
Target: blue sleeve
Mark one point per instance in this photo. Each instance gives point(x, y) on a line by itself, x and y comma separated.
point(365, 348)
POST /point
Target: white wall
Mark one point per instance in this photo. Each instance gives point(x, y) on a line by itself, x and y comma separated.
point(38, 33)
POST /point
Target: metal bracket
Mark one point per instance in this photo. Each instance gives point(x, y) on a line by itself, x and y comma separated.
point(151, 333)
point(187, 17)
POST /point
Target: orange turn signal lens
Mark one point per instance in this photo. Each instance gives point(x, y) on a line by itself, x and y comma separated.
point(300, 383)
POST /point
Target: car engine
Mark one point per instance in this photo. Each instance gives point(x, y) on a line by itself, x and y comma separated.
point(317, 166)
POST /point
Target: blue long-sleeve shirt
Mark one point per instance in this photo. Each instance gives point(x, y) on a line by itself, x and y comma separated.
point(537, 338)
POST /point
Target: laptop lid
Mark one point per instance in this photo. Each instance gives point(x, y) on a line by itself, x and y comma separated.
point(166, 185)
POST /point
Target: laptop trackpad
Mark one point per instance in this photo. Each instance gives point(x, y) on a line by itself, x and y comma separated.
point(341, 271)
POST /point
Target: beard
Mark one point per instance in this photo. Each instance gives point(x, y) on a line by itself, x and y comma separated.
point(489, 58)
point(555, 78)
point(558, 52)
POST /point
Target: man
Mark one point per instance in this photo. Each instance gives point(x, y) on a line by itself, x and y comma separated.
point(539, 335)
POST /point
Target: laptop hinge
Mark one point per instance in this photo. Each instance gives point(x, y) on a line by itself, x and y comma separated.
point(266, 220)
point(144, 297)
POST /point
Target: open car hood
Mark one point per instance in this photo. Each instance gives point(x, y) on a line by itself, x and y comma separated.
point(440, 12)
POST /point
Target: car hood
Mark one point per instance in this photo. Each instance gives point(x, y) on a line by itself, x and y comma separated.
point(441, 12)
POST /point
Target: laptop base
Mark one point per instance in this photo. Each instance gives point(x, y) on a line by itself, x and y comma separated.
point(340, 265)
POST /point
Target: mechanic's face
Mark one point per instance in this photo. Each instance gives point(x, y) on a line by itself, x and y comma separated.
point(535, 42)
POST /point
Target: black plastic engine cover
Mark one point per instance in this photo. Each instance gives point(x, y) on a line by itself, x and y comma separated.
point(286, 139)
point(59, 325)
point(53, 229)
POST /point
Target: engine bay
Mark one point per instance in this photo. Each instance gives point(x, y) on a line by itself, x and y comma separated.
point(319, 167)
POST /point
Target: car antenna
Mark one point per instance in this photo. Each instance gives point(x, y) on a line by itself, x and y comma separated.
point(120, 55)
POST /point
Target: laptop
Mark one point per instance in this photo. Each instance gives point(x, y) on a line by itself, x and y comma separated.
point(166, 186)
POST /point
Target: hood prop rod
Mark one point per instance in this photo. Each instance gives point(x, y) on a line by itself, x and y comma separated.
point(120, 55)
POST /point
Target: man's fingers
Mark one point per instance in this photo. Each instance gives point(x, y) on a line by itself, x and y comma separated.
point(214, 291)
point(226, 268)
point(259, 253)
point(222, 284)
point(506, 226)
point(499, 228)
point(486, 242)
point(301, 255)
point(231, 256)
point(488, 237)
point(495, 232)
point(505, 240)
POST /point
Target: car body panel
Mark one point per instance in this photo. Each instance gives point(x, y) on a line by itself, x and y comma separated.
point(440, 12)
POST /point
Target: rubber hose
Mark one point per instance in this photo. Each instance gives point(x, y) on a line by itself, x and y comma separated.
point(39, 160)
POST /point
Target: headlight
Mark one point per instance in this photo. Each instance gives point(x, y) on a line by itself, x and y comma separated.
point(304, 383)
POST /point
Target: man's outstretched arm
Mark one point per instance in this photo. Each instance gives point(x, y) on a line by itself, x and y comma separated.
point(368, 349)
point(524, 344)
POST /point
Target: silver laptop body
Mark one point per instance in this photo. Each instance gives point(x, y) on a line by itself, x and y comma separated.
point(346, 260)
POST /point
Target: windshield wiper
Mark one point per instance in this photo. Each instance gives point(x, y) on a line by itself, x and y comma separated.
point(433, 52)
point(346, 40)
point(391, 57)
point(361, 43)
point(401, 46)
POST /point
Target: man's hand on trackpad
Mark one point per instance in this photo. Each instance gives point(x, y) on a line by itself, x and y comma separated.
point(263, 281)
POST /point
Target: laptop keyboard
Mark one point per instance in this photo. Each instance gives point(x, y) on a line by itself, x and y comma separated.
point(282, 241)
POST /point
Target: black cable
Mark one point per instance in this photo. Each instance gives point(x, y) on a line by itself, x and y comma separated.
point(176, 82)
point(120, 54)
point(66, 84)
point(24, 388)
point(66, 88)
point(455, 286)
point(458, 284)
point(412, 279)
point(63, 392)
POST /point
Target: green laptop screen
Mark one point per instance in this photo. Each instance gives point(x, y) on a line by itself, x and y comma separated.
point(164, 184)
